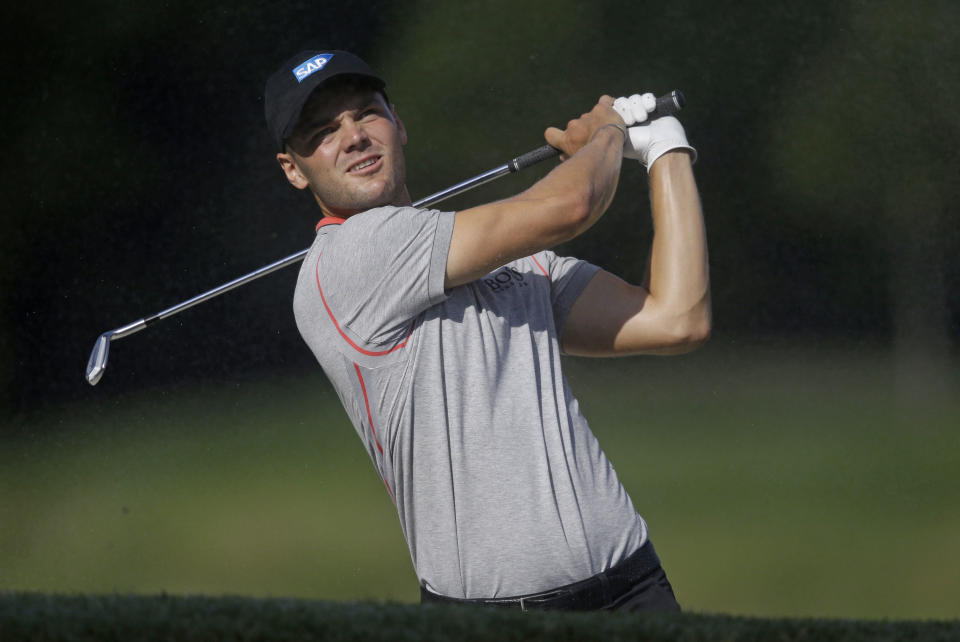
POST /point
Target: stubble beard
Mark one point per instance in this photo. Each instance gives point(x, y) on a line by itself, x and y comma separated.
point(342, 197)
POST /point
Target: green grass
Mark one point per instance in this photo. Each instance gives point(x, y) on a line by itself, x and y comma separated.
point(29, 617)
point(789, 488)
point(785, 483)
point(219, 490)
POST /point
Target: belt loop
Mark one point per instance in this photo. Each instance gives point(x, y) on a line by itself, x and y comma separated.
point(523, 606)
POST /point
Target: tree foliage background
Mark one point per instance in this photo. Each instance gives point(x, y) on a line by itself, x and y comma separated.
point(138, 173)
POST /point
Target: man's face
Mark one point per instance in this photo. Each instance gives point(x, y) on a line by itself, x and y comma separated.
point(347, 148)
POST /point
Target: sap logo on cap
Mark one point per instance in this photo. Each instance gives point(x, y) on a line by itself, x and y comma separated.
point(309, 66)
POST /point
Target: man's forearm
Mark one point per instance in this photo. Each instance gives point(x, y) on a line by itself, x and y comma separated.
point(557, 208)
point(678, 280)
point(590, 177)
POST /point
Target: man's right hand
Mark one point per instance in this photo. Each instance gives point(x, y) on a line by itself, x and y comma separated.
point(580, 131)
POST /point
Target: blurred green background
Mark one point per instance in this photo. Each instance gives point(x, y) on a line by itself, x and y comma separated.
point(775, 482)
point(803, 463)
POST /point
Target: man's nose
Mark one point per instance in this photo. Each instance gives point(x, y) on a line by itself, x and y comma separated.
point(355, 136)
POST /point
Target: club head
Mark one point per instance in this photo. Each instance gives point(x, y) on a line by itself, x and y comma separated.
point(98, 358)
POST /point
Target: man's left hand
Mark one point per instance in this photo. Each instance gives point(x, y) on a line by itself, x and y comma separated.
point(648, 140)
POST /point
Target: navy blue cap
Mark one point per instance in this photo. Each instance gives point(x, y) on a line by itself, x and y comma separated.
point(290, 86)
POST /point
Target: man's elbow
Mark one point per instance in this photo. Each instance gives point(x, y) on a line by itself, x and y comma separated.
point(698, 334)
point(691, 331)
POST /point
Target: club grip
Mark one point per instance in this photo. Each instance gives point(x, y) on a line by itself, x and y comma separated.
point(533, 157)
point(668, 104)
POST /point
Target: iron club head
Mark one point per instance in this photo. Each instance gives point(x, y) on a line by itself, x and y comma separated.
point(98, 358)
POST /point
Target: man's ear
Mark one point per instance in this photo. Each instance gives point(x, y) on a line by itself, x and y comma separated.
point(403, 130)
point(289, 167)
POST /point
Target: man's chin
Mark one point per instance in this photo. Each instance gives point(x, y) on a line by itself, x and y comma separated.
point(361, 193)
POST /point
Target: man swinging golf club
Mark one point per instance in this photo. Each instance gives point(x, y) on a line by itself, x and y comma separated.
point(442, 334)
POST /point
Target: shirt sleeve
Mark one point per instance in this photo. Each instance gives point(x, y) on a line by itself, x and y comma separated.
point(383, 267)
point(568, 277)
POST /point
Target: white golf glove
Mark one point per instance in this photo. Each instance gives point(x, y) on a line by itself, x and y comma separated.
point(648, 141)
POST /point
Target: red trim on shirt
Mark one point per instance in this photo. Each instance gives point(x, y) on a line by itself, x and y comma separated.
point(369, 353)
point(330, 220)
point(376, 440)
point(539, 266)
point(366, 402)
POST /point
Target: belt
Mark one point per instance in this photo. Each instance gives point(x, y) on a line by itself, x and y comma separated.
point(590, 594)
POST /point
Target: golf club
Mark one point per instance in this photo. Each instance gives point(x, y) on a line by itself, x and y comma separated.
point(666, 104)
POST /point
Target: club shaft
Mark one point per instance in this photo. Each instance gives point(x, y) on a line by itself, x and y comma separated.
point(464, 186)
point(226, 287)
point(449, 192)
point(101, 349)
point(667, 104)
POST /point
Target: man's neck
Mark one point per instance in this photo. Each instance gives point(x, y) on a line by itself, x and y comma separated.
point(401, 200)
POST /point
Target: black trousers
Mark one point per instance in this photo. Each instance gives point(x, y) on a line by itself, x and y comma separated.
point(638, 583)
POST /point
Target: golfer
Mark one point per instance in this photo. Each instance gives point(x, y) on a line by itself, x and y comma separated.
point(442, 333)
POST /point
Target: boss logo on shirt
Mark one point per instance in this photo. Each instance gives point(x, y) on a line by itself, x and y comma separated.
point(505, 279)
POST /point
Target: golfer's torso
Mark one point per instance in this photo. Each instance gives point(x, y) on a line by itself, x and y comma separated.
point(500, 486)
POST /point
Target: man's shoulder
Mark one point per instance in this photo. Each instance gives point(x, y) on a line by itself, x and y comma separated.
point(355, 252)
point(378, 214)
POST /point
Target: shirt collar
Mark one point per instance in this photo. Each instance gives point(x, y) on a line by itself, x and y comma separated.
point(330, 220)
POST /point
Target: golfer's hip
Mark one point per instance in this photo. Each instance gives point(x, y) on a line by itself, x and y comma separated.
point(606, 590)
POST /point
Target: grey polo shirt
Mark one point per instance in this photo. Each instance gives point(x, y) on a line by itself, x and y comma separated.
point(459, 397)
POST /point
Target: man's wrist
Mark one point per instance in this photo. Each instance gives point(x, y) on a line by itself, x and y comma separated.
point(672, 159)
point(620, 128)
